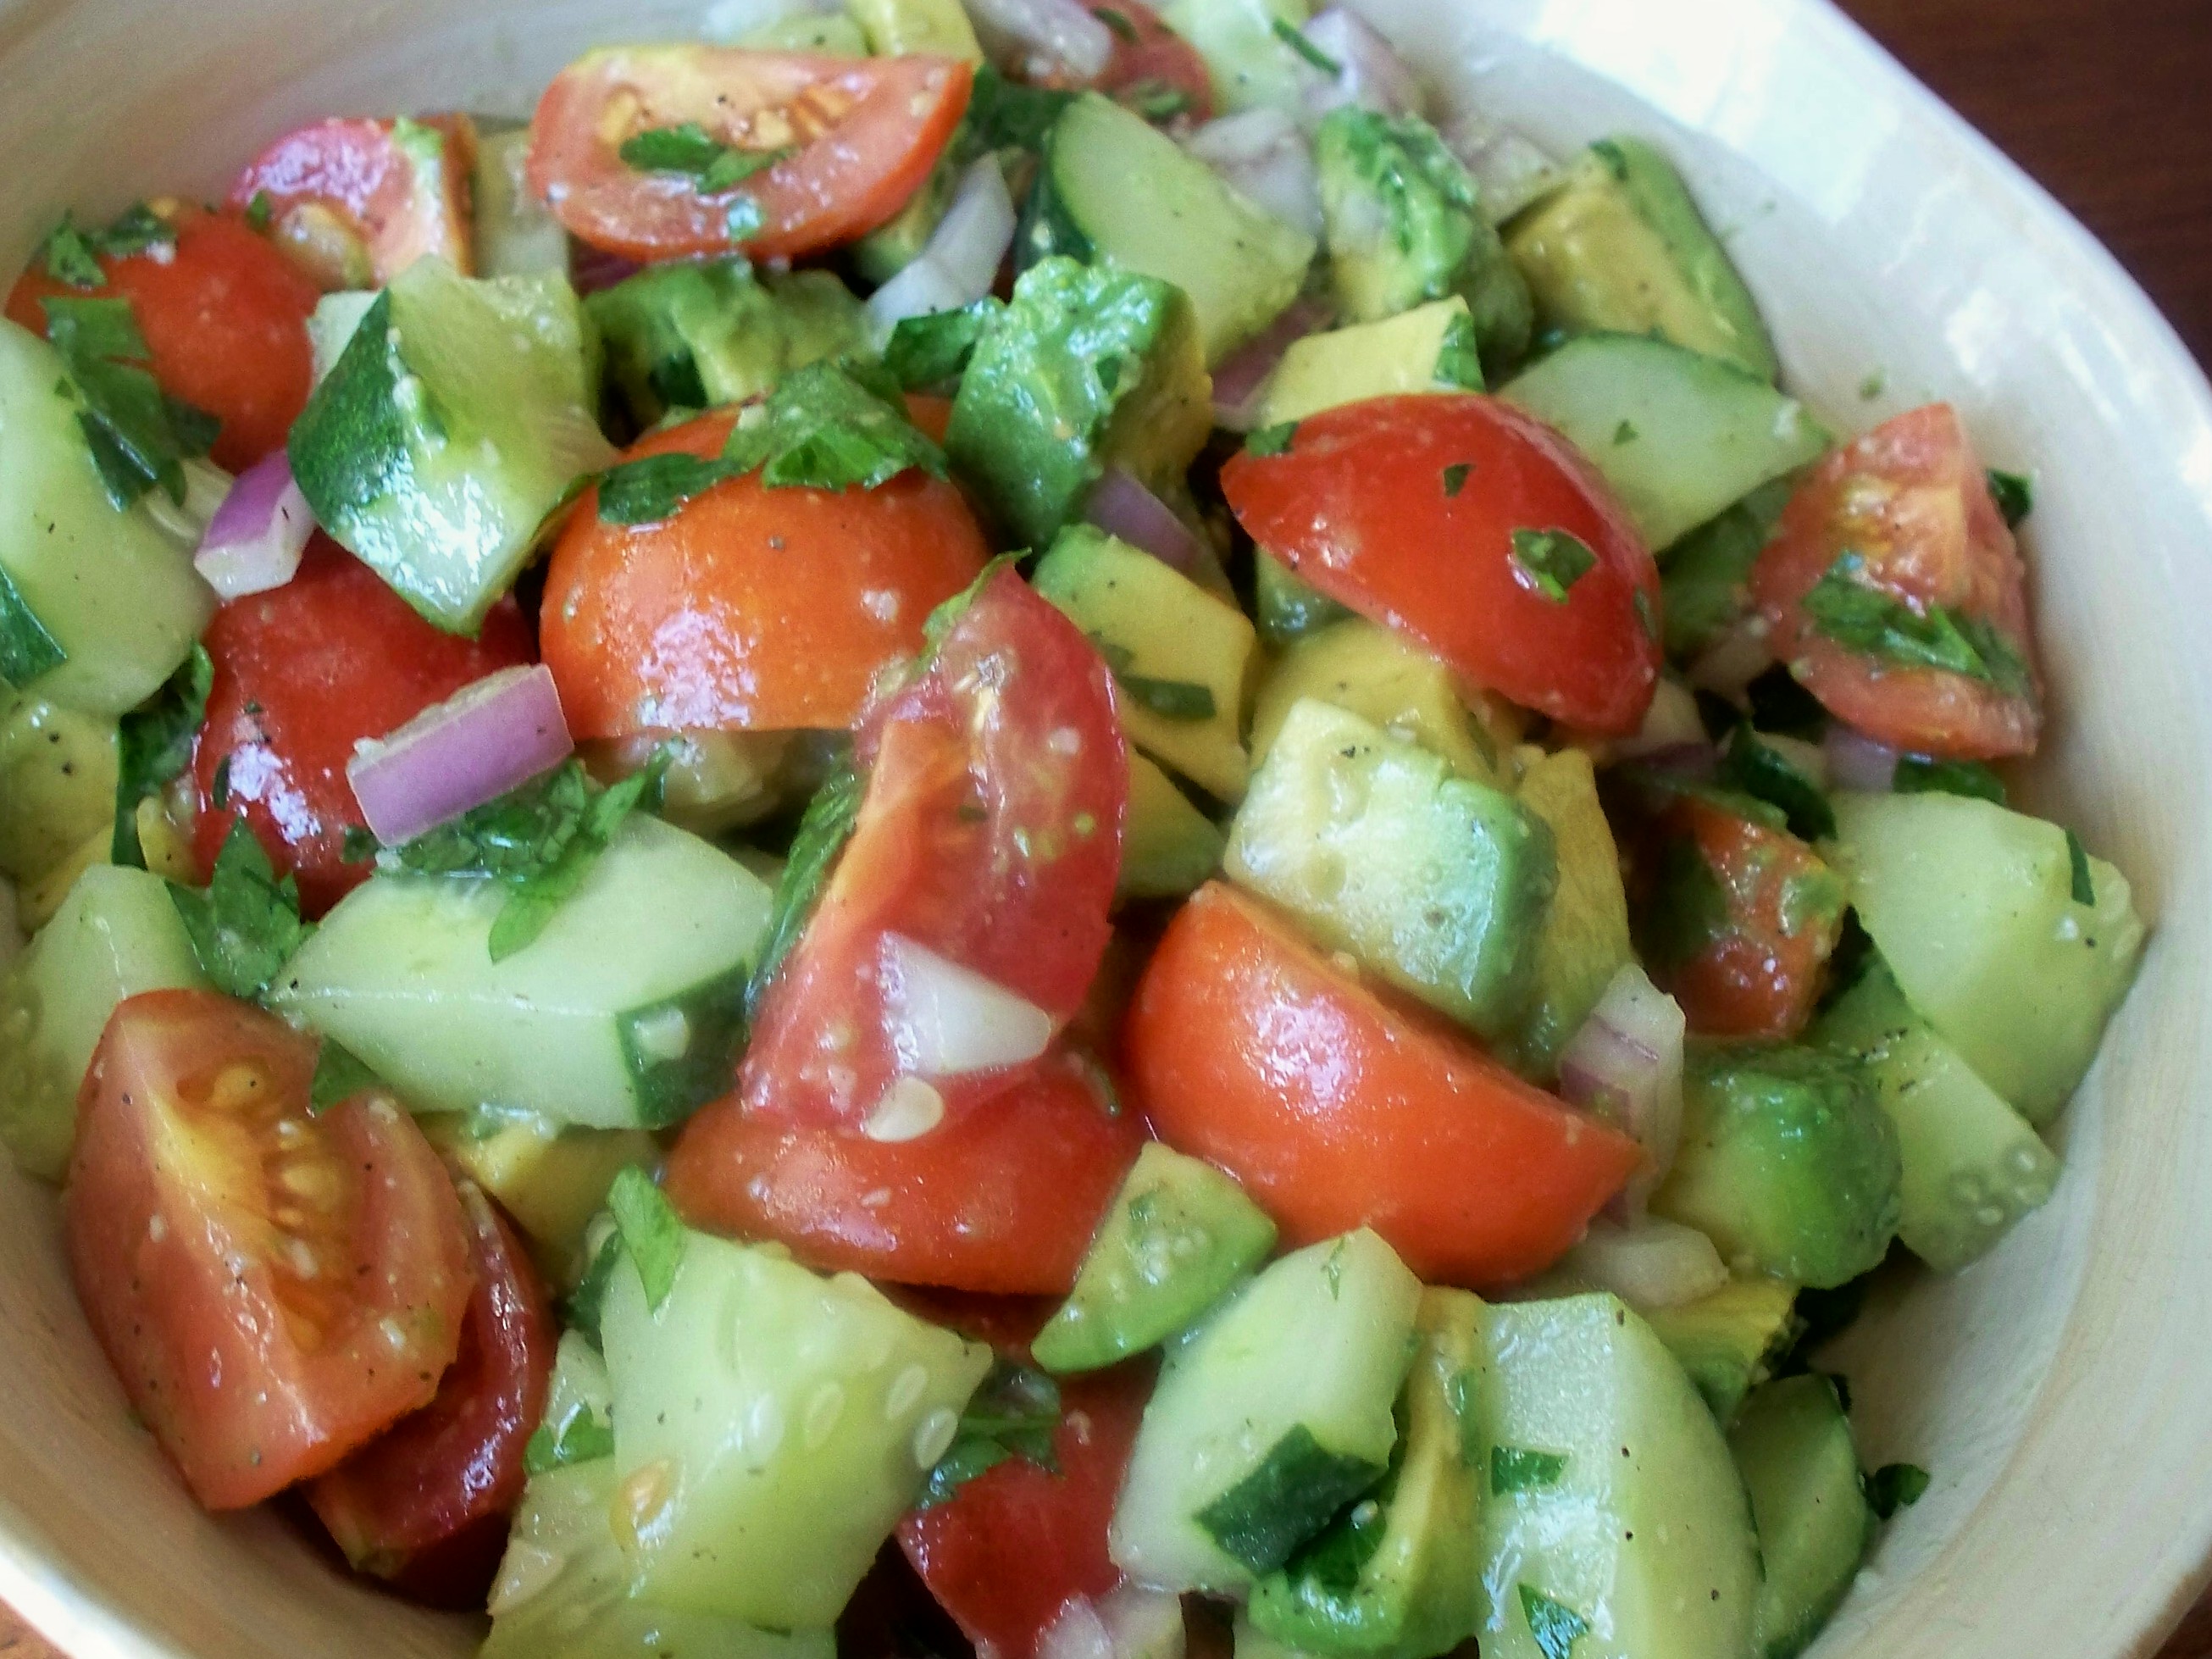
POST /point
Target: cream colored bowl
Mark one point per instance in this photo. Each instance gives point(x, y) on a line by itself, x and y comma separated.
point(2061, 1392)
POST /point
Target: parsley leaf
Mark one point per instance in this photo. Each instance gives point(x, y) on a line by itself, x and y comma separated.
point(582, 1309)
point(822, 831)
point(1626, 433)
point(655, 487)
point(2015, 495)
point(1013, 1414)
point(651, 1234)
point(1864, 618)
point(138, 435)
point(1459, 363)
point(688, 148)
point(260, 210)
point(1156, 99)
point(1272, 440)
point(340, 1074)
point(245, 924)
point(1918, 775)
point(2081, 888)
point(1759, 771)
point(1171, 700)
point(72, 254)
point(1516, 1468)
point(1556, 1627)
point(1296, 39)
point(1552, 561)
point(1455, 476)
point(1895, 1486)
point(27, 649)
point(69, 259)
point(579, 1437)
point(1004, 114)
point(154, 744)
point(930, 351)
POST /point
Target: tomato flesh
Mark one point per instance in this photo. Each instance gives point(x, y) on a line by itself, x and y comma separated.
point(1335, 1110)
point(1912, 500)
point(751, 608)
point(425, 1504)
point(225, 318)
point(355, 202)
point(1152, 60)
point(274, 1287)
point(303, 673)
point(990, 834)
point(1406, 509)
point(855, 138)
point(1003, 1200)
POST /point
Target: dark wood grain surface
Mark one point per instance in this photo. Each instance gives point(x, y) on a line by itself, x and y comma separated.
point(2109, 104)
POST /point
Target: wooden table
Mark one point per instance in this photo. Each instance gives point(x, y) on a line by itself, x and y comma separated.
point(2106, 104)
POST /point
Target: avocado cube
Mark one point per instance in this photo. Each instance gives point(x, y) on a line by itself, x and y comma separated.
point(1728, 1339)
point(1585, 939)
point(1290, 608)
point(1169, 848)
point(1380, 676)
point(56, 782)
point(1432, 348)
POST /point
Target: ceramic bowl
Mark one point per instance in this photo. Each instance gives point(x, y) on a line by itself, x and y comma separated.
point(2058, 1389)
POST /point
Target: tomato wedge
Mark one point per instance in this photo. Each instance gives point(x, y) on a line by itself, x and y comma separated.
point(1003, 1200)
point(425, 1504)
point(989, 836)
point(853, 138)
point(273, 1286)
point(1248, 1048)
point(1478, 529)
point(751, 608)
point(1909, 506)
point(355, 202)
point(225, 318)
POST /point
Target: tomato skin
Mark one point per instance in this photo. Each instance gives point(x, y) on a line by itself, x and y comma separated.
point(186, 1239)
point(751, 608)
point(357, 176)
point(303, 673)
point(1359, 507)
point(1015, 1543)
point(869, 131)
point(1157, 56)
point(1911, 500)
point(225, 318)
point(990, 832)
point(425, 1505)
point(1248, 1048)
point(1002, 1200)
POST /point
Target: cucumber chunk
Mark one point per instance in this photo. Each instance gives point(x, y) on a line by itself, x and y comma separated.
point(770, 1428)
point(516, 234)
point(940, 27)
point(628, 1012)
point(1437, 884)
point(1380, 676)
point(1247, 58)
point(1621, 1509)
point(1972, 906)
point(1119, 192)
point(1169, 848)
point(56, 783)
point(1972, 1165)
point(1398, 1576)
point(116, 935)
point(1728, 1341)
point(453, 422)
point(825, 32)
point(1431, 348)
point(1793, 1446)
point(1178, 1235)
point(1268, 1418)
point(97, 606)
point(1680, 436)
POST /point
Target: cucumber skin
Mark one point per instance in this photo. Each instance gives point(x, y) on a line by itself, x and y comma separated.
point(1793, 1444)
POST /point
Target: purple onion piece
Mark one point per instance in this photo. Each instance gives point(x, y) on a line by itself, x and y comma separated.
point(1857, 761)
point(481, 742)
point(1625, 1064)
point(1123, 508)
point(591, 269)
point(1238, 382)
point(254, 541)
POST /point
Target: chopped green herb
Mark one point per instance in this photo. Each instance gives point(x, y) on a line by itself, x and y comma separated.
point(1626, 433)
point(1171, 700)
point(27, 649)
point(1895, 1486)
point(72, 255)
point(1873, 385)
point(1918, 775)
point(1004, 114)
point(2015, 495)
point(1295, 38)
point(1455, 476)
point(582, 1309)
point(1272, 440)
point(259, 210)
point(691, 150)
point(1556, 1628)
point(153, 745)
point(1156, 101)
point(1552, 561)
point(1459, 363)
point(340, 1074)
point(823, 832)
point(1516, 1468)
point(357, 845)
point(219, 791)
point(651, 1236)
point(931, 351)
point(245, 924)
point(139, 437)
point(1014, 1414)
point(1759, 771)
point(653, 490)
point(1114, 21)
point(1297, 1490)
point(580, 1438)
point(2082, 888)
point(1860, 617)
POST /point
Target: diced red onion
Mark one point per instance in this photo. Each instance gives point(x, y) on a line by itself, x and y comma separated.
point(254, 541)
point(945, 1019)
point(1858, 762)
point(1671, 722)
point(1062, 32)
point(1122, 507)
point(1131, 1622)
point(1651, 1263)
point(1625, 1066)
point(1374, 77)
point(1511, 170)
point(1735, 659)
point(591, 269)
point(1242, 376)
point(1698, 762)
point(480, 743)
point(1264, 157)
point(960, 261)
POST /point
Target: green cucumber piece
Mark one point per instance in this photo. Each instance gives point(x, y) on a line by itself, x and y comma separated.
point(1169, 848)
point(824, 32)
point(97, 606)
point(1247, 58)
point(454, 421)
point(1177, 1238)
point(1972, 906)
point(770, 1428)
point(516, 234)
point(1728, 1340)
point(1793, 1444)
point(56, 782)
point(1679, 435)
point(1972, 1165)
point(627, 1012)
point(1622, 1509)
point(116, 935)
point(938, 27)
point(1268, 1418)
point(1437, 883)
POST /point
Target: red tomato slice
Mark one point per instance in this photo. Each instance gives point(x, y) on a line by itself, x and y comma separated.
point(1406, 510)
point(1911, 499)
point(1739, 921)
point(225, 318)
point(1151, 61)
point(861, 134)
point(990, 834)
point(1015, 1544)
point(1248, 1048)
point(425, 1504)
point(273, 1286)
point(1003, 1200)
point(301, 674)
point(356, 202)
point(752, 608)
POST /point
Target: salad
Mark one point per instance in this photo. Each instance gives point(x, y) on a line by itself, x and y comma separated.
point(1041, 827)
